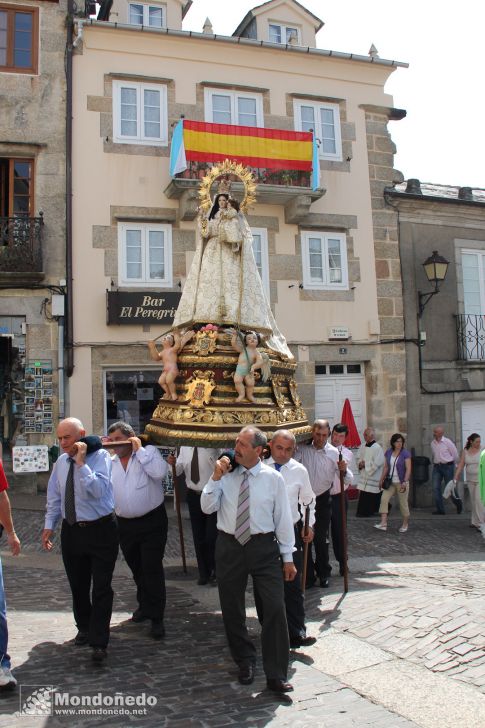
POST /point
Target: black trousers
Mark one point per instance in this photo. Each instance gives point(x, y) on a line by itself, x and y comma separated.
point(294, 597)
point(336, 528)
point(320, 568)
point(89, 553)
point(368, 504)
point(204, 533)
point(260, 558)
point(142, 542)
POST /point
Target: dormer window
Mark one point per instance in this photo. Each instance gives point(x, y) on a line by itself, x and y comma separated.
point(283, 34)
point(152, 16)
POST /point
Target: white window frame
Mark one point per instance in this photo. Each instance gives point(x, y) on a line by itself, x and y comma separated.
point(139, 138)
point(317, 106)
point(264, 273)
point(144, 280)
point(325, 284)
point(146, 15)
point(283, 31)
point(480, 259)
point(234, 95)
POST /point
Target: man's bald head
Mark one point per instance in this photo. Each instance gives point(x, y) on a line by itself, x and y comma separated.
point(438, 432)
point(69, 431)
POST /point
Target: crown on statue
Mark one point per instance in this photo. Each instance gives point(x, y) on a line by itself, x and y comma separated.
point(224, 187)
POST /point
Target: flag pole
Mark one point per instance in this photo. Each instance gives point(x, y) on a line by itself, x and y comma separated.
point(343, 527)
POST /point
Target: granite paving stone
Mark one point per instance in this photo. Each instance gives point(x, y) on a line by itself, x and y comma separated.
point(413, 604)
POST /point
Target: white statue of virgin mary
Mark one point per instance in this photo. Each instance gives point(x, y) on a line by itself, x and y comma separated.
point(223, 285)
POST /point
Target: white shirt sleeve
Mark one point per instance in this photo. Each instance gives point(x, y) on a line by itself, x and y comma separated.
point(283, 522)
point(152, 462)
point(210, 498)
point(306, 496)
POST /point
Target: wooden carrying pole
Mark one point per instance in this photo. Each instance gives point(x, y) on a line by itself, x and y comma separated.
point(120, 443)
point(343, 527)
point(179, 517)
point(305, 549)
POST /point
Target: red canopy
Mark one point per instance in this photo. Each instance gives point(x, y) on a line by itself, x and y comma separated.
point(352, 439)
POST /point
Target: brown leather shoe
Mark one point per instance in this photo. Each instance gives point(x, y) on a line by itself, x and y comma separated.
point(278, 686)
point(302, 641)
point(138, 616)
point(81, 638)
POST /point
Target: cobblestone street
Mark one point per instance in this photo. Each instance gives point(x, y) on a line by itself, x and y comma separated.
point(405, 646)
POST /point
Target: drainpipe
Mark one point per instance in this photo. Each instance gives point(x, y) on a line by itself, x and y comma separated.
point(60, 366)
point(69, 313)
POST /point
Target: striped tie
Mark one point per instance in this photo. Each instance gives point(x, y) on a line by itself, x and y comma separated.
point(243, 530)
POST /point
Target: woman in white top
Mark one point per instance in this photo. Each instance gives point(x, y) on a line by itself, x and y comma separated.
point(470, 458)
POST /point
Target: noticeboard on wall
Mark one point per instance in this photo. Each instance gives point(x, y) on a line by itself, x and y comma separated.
point(38, 397)
point(30, 458)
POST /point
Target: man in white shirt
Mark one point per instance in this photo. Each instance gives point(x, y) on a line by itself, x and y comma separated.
point(137, 473)
point(444, 456)
point(339, 433)
point(197, 464)
point(300, 495)
point(321, 460)
point(255, 536)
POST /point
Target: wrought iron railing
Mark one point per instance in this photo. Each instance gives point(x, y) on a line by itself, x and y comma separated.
point(21, 244)
point(470, 331)
point(264, 176)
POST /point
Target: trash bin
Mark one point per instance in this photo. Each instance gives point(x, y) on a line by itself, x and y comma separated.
point(419, 473)
point(420, 470)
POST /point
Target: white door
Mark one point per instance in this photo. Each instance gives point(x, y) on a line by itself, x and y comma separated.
point(472, 419)
point(333, 386)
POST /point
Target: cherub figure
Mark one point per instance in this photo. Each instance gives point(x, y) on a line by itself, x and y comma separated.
point(172, 344)
point(250, 359)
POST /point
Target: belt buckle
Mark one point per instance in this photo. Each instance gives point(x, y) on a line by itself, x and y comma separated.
point(82, 524)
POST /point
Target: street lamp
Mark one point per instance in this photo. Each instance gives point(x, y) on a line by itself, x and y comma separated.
point(436, 268)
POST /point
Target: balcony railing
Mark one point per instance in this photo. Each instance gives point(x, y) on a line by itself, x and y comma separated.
point(263, 176)
point(470, 331)
point(21, 244)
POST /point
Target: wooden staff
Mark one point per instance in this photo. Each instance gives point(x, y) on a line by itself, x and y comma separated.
point(179, 516)
point(305, 548)
point(343, 527)
point(121, 443)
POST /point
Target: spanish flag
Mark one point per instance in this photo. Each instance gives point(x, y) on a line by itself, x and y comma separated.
point(199, 141)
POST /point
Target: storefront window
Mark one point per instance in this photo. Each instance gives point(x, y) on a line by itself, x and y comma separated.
point(131, 395)
point(12, 369)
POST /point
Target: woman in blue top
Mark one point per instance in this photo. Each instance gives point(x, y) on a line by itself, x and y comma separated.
point(397, 466)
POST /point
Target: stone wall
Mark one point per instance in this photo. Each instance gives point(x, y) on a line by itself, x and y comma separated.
point(32, 126)
point(387, 405)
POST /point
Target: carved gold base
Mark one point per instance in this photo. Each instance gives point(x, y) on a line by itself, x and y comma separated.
point(206, 413)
